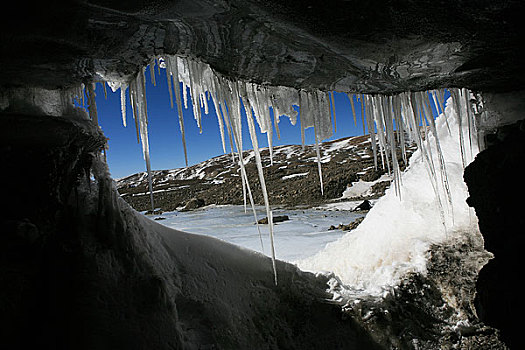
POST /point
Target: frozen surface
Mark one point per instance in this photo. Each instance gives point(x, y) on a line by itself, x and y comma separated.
point(305, 234)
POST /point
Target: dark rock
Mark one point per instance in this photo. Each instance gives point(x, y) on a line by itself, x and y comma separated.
point(351, 226)
point(159, 218)
point(494, 186)
point(276, 219)
point(365, 205)
point(193, 204)
point(402, 318)
point(153, 212)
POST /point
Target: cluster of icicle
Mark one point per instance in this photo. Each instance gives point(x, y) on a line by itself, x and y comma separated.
point(408, 113)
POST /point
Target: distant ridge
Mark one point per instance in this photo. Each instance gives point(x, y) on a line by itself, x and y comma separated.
point(291, 181)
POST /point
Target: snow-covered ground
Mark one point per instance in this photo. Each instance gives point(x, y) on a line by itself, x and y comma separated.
point(305, 234)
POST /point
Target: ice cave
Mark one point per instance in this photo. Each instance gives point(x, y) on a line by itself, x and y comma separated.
point(433, 265)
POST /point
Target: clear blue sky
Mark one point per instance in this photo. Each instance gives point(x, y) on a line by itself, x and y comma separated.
point(125, 154)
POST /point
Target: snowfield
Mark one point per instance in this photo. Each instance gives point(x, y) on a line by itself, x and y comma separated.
point(304, 234)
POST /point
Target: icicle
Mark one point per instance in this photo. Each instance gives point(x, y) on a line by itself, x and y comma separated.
point(138, 91)
point(83, 93)
point(324, 121)
point(439, 107)
point(333, 110)
point(370, 125)
point(351, 98)
point(92, 107)
point(377, 115)
point(259, 100)
point(302, 107)
point(470, 119)
point(152, 73)
point(391, 140)
point(276, 122)
point(255, 144)
point(123, 88)
point(283, 99)
point(205, 100)
point(276, 113)
point(133, 99)
point(362, 112)
point(234, 117)
point(456, 98)
point(410, 109)
point(319, 170)
point(225, 114)
point(396, 105)
point(172, 66)
point(105, 91)
point(269, 124)
point(217, 101)
point(219, 118)
point(185, 94)
point(314, 102)
point(442, 167)
point(168, 79)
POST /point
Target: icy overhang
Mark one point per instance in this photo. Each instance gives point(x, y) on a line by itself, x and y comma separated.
point(367, 47)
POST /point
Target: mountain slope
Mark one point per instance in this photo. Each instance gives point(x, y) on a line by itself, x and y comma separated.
point(292, 180)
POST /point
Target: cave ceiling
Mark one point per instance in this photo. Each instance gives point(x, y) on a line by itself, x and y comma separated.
point(358, 46)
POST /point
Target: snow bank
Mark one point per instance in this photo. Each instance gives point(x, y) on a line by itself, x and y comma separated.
point(396, 234)
point(363, 188)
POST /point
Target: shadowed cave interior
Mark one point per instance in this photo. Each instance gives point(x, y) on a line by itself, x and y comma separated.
point(80, 269)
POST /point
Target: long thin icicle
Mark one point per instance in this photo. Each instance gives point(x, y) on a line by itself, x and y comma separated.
point(173, 70)
point(333, 110)
point(92, 103)
point(138, 91)
point(255, 144)
point(456, 98)
point(238, 142)
point(123, 88)
point(351, 98)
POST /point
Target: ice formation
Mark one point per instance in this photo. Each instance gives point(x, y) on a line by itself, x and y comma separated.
point(391, 121)
point(394, 237)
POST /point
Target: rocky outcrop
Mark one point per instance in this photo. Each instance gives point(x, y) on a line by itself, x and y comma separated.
point(441, 300)
point(351, 226)
point(496, 196)
point(364, 206)
point(193, 204)
point(276, 219)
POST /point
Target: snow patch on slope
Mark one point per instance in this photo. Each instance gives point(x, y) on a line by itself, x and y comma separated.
point(363, 188)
